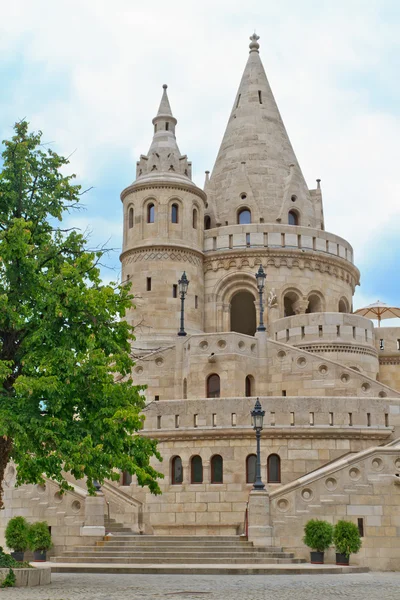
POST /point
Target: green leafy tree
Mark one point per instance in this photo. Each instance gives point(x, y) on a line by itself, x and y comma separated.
point(67, 401)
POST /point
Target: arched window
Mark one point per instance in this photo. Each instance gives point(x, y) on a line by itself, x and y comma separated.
point(194, 220)
point(174, 213)
point(207, 222)
point(150, 213)
point(273, 469)
point(196, 470)
point(213, 386)
point(216, 469)
point(249, 386)
point(251, 462)
point(244, 216)
point(176, 470)
point(130, 218)
point(293, 218)
point(185, 388)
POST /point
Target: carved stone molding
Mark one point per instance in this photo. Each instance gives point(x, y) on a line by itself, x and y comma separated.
point(334, 266)
point(340, 347)
point(162, 253)
point(389, 360)
point(289, 432)
point(181, 186)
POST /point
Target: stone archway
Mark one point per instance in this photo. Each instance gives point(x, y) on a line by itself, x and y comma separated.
point(243, 313)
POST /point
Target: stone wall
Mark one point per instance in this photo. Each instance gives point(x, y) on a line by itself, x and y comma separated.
point(362, 488)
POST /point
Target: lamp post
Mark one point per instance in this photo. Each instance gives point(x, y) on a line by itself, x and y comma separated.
point(260, 278)
point(258, 417)
point(183, 284)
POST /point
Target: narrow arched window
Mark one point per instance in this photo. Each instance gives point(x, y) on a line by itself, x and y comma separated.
point(194, 221)
point(176, 470)
point(185, 389)
point(274, 469)
point(213, 386)
point(251, 463)
point(217, 469)
point(207, 222)
point(293, 218)
point(130, 218)
point(248, 386)
point(196, 469)
point(244, 217)
point(150, 213)
point(174, 213)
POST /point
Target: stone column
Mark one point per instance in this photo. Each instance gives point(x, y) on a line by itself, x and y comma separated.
point(94, 516)
point(260, 531)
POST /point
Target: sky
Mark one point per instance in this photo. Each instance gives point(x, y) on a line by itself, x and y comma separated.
point(89, 75)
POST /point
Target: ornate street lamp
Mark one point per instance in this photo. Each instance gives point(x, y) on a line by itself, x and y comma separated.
point(260, 278)
point(183, 284)
point(257, 420)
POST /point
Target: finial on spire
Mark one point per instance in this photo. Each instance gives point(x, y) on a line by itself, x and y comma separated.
point(254, 46)
point(165, 86)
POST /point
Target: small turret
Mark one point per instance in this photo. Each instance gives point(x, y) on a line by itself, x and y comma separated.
point(164, 157)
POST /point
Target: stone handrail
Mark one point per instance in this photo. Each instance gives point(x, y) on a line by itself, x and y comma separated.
point(348, 461)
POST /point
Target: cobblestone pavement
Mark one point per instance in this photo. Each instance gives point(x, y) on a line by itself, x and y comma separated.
point(64, 586)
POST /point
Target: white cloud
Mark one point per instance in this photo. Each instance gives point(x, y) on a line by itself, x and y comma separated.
point(113, 60)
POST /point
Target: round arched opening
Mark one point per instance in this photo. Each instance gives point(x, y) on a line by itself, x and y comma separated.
point(343, 306)
point(207, 222)
point(314, 304)
point(289, 301)
point(243, 313)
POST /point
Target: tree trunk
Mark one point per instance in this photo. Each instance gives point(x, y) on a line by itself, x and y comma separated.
point(5, 449)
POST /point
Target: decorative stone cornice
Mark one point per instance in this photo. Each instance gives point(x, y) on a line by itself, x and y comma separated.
point(162, 252)
point(146, 185)
point(289, 432)
point(312, 259)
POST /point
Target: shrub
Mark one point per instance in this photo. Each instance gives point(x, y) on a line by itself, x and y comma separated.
point(7, 561)
point(16, 534)
point(318, 535)
point(346, 538)
point(39, 538)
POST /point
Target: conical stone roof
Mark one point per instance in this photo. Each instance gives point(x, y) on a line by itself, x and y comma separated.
point(256, 166)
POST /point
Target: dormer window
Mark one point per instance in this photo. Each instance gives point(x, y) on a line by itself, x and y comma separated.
point(244, 217)
point(259, 96)
point(293, 218)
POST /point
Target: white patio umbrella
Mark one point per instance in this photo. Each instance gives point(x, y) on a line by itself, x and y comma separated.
point(379, 310)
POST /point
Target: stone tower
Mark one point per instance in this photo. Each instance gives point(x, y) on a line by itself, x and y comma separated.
point(163, 236)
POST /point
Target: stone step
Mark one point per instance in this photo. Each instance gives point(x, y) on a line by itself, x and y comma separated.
point(167, 560)
point(131, 544)
point(227, 569)
point(201, 555)
point(199, 549)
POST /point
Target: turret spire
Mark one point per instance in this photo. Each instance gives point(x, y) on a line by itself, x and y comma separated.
point(256, 165)
point(164, 159)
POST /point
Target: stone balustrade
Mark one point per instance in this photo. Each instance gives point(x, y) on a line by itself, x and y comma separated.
point(271, 235)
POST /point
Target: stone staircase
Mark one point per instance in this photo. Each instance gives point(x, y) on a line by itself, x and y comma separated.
point(124, 548)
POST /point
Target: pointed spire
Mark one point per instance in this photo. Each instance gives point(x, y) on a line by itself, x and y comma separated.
point(253, 162)
point(165, 107)
point(164, 160)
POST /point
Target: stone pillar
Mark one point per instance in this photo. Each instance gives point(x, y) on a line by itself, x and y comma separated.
point(260, 531)
point(94, 516)
point(300, 306)
point(262, 338)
